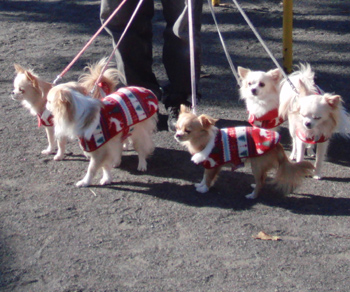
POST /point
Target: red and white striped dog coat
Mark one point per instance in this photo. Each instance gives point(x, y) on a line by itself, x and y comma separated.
point(232, 145)
point(122, 109)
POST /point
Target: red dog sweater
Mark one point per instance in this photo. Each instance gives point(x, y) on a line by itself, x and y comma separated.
point(234, 144)
point(45, 119)
point(267, 121)
point(122, 109)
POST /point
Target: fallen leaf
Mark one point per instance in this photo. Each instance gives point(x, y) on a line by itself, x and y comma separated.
point(263, 236)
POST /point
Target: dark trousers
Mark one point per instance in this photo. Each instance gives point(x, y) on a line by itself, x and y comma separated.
point(134, 55)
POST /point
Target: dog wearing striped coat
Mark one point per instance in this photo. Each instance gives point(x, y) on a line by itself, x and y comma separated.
point(214, 148)
point(103, 124)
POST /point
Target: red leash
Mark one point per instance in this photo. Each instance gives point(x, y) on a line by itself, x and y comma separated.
point(88, 43)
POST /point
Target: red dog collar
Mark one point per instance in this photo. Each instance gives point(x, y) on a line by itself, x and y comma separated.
point(311, 140)
point(267, 121)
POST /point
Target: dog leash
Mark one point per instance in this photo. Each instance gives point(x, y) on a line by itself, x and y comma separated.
point(192, 59)
point(246, 18)
point(59, 77)
point(233, 69)
point(264, 45)
point(117, 45)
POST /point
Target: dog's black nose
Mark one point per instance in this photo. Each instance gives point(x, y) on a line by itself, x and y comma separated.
point(254, 91)
point(308, 125)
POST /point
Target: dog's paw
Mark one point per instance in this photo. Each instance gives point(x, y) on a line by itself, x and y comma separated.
point(197, 158)
point(58, 157)
point(142, 166)
point(198, 185)
point(251, 196)
point(47, 151)
point(202, 188)
point(105, 181)
point(82, 183)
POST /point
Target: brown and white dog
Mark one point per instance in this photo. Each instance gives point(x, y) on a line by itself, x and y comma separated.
point(103, 124)
point(215, 148)
point(32, 91)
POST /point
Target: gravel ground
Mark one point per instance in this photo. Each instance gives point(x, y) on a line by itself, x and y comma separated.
point(151, 231)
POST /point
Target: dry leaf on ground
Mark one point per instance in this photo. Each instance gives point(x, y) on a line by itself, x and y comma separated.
point(263, 236)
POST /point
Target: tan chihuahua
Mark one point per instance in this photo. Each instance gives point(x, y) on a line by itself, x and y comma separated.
point(215, 148)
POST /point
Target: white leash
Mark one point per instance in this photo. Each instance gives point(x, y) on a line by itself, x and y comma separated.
point(258, 37)
point(233, 69)
point(264, 45)
point(192, 57)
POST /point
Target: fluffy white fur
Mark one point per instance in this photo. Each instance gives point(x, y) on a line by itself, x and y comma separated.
point(77, 114)
point(112, 78)
point(32, 91)
point(260, 90)
point(197, 134)
point(312, 113)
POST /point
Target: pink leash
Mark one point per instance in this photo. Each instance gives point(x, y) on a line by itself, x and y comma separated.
point(88, 43)
point(192, 57)
point(117, 45)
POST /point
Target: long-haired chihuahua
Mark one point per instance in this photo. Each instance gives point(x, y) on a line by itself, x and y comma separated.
point(103, 124)
point(215, 148)
point(32, 91)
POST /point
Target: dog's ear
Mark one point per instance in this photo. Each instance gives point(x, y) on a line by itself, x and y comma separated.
point(303, 89)
point(32, 79)
point(207, 121)
point(65, 97)
point(242, 72)
point(333, 100)
point(276, 75)
point(184, 109)
point(19, 68)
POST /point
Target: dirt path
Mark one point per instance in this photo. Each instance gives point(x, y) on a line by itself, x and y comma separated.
point(152, 231)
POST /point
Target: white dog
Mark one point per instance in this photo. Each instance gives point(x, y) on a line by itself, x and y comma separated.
point(314, 116)
point(260, 91)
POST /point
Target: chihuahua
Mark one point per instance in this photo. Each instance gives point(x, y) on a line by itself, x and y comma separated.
point(103, 124)
point(215, 148)
point(260, 91)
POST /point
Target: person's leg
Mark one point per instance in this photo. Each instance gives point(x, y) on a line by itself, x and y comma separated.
point(134, 55)
point(176, 54)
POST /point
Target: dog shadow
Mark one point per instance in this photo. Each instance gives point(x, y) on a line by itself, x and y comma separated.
point(186, 194)
point(310, 204)
point(228, 192)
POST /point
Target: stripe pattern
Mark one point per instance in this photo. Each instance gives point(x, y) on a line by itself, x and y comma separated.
point(122, 110)
point(45, 119)
point(232, 145)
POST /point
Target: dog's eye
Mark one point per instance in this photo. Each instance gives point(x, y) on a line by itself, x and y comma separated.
point(261, 84)
point(317, 118)
point(21, 90)
point(187, 131)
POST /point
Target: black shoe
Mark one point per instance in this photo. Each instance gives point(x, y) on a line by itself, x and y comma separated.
point(173, 114)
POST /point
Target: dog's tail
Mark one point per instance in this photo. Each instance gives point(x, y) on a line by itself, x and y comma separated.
point(289, 174)
point(303, 77)
point(343, 125)
point(110, 80)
